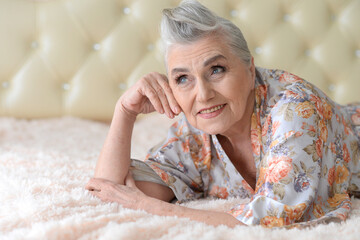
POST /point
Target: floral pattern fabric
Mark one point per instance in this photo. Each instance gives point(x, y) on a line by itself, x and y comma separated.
point(305, 148)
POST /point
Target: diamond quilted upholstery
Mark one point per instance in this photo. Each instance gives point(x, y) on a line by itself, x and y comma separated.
point(76, 57)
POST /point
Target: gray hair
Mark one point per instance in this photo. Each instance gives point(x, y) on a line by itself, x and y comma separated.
point(191, 21)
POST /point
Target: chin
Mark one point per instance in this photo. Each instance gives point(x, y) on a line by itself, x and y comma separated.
point(210, 126)
point(212, 130)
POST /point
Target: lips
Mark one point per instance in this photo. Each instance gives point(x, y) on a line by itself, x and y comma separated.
point(212, 109)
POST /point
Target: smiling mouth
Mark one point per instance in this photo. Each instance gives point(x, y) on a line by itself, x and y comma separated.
point(213, 109)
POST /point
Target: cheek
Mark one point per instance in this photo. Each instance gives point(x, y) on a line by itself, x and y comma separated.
point(182, 99)
point(186, 104)
point(237, 95)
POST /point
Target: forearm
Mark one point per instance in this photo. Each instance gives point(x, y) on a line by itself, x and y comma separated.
point(213, 218)
point(114, 161)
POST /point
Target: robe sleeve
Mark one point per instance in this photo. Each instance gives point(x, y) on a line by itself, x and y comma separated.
point(181, 161)
point(303, 173)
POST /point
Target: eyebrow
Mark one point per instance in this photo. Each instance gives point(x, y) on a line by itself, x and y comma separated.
point(175, 70)
point(213, 59)
point(206, 63)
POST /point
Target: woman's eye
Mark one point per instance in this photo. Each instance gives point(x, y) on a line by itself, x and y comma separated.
point(217, 69)
point(181, 80)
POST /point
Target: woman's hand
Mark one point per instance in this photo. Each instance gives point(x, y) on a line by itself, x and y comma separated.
point(151, 93)
point(128, 195)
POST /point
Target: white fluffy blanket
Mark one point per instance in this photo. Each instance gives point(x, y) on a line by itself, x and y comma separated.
point(44, 165)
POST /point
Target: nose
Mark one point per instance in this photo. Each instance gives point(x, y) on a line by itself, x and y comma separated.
point(205, 90)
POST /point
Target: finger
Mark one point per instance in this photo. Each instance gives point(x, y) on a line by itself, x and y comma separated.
point(95, 194)
point(100, 196)
point(148, 91)
point(129, 181)
point(95, 184)
point(105, 194)
point(91, 185)
point(170, 96)
point(160, 92)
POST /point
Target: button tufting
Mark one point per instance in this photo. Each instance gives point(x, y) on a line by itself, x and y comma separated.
point(122, 86)
point(150, 47)
point(331, 87)
point(357, 53)
point(287, 18)
point(314, 32)
point(234, 13)
point(34, 44)
point(5, 84)
point(126, 10)
point(66, 86)
point(307, 52)
point(97, 46)
point(258, 50)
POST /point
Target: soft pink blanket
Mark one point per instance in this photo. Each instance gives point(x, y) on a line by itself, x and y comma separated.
point(44, 165)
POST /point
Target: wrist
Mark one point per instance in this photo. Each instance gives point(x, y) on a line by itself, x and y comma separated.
point(124, 112)
point(150, 205)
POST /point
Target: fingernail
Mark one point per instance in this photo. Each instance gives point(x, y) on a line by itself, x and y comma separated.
point(176, 110)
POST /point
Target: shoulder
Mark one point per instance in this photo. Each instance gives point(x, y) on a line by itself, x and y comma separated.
point(282, 84)
point(295, 107)
point(285, 89)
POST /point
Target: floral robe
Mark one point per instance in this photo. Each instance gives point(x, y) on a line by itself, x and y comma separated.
point(306, 152)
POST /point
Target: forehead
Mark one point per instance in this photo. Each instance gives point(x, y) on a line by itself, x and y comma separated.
point(198, 51)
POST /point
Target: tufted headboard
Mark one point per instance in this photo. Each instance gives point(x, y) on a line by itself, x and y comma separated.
point(76, 57)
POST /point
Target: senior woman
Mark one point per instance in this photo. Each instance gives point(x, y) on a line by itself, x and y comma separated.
point(245, 131)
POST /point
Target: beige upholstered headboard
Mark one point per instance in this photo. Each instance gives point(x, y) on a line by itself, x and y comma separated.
point(76, 57)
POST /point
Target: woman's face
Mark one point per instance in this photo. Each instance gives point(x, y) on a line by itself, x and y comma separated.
point(210, 83)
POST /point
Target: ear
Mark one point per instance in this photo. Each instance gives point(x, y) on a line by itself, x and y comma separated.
point(252, 68)
point(252, 72)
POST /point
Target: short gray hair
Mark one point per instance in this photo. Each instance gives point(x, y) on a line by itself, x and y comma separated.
point(191, 21)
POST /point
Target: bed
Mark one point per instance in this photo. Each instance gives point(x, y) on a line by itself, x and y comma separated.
point(63, 65)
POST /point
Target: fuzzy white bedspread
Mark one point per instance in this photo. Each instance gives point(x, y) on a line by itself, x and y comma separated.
point(44, 165)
